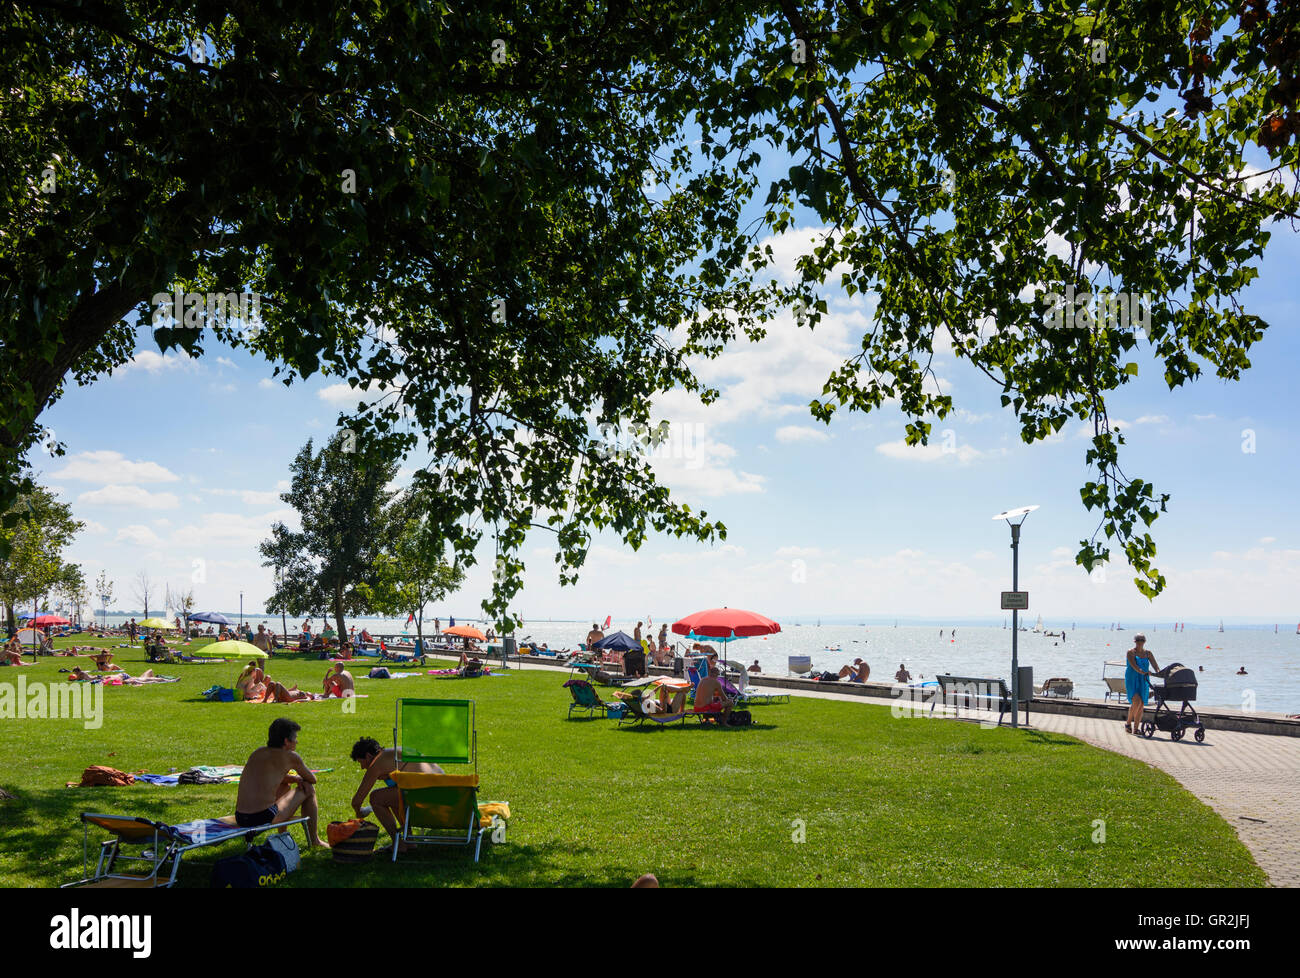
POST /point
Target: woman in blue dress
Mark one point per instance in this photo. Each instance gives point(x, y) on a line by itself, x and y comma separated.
point(1141, 664)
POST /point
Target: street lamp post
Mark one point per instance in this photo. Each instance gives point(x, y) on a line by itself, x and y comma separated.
point(1023, 512)
point(241, 611)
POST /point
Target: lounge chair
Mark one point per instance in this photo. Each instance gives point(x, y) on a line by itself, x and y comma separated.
point(163, 847)
point(635, 713)
point(442, 809)
point(414, 657)
point(585, 697)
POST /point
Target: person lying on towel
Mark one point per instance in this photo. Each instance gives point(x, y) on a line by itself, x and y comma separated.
point(268, 793)
point(379, 763)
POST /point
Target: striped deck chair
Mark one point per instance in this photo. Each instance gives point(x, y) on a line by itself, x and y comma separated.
point(442, 809)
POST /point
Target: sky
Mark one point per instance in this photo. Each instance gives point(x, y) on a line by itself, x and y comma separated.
point(176, 466)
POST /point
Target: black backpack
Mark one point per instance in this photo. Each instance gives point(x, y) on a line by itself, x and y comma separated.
point(259, 866)
point(740, 718)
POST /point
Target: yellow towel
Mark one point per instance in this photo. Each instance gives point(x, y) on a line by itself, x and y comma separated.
point(490, 809)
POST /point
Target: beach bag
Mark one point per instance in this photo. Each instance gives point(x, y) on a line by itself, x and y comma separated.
point(287, 847)
point(219, 694)
point(259, 866)
point(740, 718)
point(99, 776)
point(352, 842)
point(379, 672)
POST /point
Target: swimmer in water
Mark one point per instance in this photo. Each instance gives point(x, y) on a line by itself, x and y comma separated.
point(1242, 671)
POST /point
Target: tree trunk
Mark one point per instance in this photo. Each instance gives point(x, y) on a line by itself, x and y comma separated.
point(338, 611)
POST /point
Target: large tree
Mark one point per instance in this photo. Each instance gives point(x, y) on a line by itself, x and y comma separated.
point(35, 566)
point(450, 209)
point(340, 494)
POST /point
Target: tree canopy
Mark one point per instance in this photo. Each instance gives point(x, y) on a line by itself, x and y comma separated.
point(35, 567)
point(450, 209)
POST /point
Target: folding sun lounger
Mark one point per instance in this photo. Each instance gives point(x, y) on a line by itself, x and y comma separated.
point(442, 809)
point(585, 697)
point(163, 846)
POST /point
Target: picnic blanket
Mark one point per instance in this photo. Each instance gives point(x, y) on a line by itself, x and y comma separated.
point(398, 675)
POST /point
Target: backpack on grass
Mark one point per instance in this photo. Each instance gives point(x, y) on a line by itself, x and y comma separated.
point(740, 718)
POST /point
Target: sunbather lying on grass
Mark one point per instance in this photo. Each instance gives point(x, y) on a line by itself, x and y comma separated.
point(379, 763)
point(268, 793)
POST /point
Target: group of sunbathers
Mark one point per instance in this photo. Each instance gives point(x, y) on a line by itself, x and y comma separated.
point(255, 686)
point(275, 783)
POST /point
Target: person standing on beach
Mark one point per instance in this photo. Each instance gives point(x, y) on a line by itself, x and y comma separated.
point(636, 633)
point(1136, 682)
point(663, 637)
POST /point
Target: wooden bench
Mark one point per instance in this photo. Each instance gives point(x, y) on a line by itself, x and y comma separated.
point(972, 687)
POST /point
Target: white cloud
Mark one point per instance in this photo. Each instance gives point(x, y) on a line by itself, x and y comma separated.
point(138, 534)
point(345, 395)
point(1153, 419)
point(1268, 539)
point(116, 495)
point(104, 467)
point(266, 383)
point(231, 529)
point(799, 552)
point(1204, 417)
point(225, 361)
point(795, 433)
point(94, 527)
point(151, 362)
point(250, 497)
point(932, 452)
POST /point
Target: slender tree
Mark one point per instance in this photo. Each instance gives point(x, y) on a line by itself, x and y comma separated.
point(340, 494)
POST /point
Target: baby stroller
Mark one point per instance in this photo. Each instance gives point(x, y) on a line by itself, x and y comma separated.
point(1179, 684)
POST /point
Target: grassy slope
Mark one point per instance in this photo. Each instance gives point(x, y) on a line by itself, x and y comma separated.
point(884, 801)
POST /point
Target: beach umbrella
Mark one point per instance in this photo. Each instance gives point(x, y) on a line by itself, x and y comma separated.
point(212, 618)
point(44, 620)
point(157, 623)
point(463, 631)
point(229, 649)
point(617, 642)
point(725, 624)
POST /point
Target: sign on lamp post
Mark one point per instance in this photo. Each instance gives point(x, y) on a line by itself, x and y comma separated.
point(1015, 601)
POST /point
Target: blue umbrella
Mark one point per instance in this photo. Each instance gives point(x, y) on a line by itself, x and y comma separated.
point(212, 617)
point(618, 642)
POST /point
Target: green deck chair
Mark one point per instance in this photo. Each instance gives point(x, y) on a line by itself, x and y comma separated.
point(439, 809)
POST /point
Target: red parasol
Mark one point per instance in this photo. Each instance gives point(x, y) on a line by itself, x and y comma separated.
point(726, 623)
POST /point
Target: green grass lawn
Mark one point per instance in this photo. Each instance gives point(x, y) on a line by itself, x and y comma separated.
point(881, 801)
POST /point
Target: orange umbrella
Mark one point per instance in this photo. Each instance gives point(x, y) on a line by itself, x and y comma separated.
point(463, 631)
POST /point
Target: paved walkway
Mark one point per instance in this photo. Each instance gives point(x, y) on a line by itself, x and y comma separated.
point(1252, 780)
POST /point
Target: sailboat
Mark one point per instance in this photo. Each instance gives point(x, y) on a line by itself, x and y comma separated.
point(1119, 627)
point(1220, 626)
point(1038, 625)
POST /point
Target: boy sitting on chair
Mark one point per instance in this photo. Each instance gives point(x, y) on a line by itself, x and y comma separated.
point(379, 763)
point(268, 793)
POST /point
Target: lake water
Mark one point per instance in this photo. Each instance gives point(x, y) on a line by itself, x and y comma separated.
point(1272, 661)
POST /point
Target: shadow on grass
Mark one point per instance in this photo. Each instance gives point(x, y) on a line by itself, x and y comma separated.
point(1055, 740)
point(649, 726)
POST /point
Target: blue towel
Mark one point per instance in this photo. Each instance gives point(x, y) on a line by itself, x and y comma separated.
point(167, 779)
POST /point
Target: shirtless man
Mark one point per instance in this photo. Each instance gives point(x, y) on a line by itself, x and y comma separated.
point(856, 673)
point(710, 697)
point(263, 640)
point(268, 793)
point(379, 763)
point(594, 636)
point(902, 676)
point(339, 682)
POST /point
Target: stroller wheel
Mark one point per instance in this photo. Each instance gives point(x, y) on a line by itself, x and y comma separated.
point(1200, 735)
point(1148, 729)
point(1175, 735)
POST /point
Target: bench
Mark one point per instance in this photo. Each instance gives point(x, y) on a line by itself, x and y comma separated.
point(971, 687)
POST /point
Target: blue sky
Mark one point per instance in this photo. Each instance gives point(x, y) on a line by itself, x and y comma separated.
point(823, 520)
